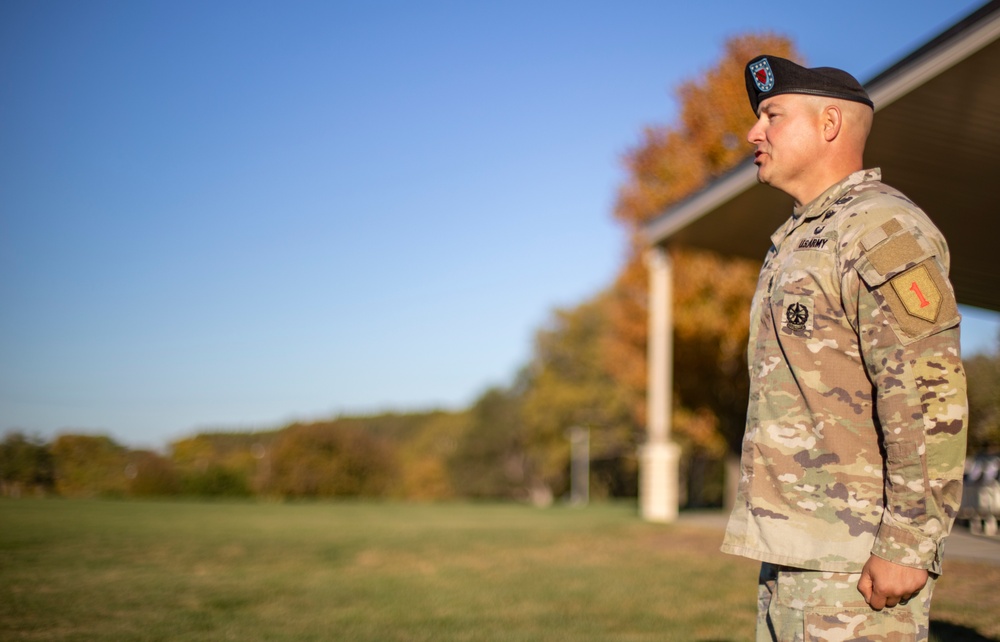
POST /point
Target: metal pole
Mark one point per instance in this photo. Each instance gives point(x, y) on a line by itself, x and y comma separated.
point(579, 439)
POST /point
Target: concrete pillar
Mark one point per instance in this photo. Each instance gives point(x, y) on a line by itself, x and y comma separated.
point(579, 466)
point(659, 459)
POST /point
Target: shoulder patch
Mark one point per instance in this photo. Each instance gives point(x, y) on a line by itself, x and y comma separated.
point(920, 301)
point(918, 293)
point(890, 250)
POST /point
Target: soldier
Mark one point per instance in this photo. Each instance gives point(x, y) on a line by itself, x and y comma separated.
point(852, 460)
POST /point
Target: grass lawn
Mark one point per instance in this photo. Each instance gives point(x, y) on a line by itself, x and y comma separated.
point(131, 570)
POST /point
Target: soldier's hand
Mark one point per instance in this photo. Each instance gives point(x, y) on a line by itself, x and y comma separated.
point(884, 583)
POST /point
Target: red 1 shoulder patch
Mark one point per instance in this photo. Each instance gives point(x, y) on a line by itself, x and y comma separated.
point(918, 293)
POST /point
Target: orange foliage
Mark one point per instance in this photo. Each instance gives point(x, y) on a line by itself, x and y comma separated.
point(673, 162)
point(711, 293)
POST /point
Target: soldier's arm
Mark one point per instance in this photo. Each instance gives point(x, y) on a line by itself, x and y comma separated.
point(909, 341)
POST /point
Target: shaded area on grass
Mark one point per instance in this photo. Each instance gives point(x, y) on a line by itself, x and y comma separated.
point(948, 632)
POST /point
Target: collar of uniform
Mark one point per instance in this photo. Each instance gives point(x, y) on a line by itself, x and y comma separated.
point(822, 203)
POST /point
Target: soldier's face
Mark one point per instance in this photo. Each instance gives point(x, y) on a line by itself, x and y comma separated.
point(786, 137)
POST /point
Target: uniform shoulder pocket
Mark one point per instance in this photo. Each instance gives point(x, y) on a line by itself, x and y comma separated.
point(890, 250)
point(901, 267)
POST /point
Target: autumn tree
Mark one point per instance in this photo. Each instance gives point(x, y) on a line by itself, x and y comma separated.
point(423, 443)
point(711, 293)
point(327, 459)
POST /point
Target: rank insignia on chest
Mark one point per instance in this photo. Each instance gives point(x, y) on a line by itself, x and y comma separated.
point(918, 293)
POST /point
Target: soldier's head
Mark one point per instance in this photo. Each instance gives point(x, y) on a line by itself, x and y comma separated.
point(811, 126)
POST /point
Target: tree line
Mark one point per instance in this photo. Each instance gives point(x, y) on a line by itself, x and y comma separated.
point(587, 370)
point(478, 453)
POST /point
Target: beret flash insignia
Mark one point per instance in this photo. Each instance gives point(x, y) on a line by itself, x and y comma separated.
point(763, 77)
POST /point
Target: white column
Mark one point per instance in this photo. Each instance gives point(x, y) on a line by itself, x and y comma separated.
point(659, 458)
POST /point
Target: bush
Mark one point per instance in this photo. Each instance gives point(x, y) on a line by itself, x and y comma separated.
point(216, 481)
point(150, 475)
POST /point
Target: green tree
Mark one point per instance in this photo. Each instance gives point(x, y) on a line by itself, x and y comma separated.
point(489, 461)
point(150, 474)
point(25, 465)
point(425, 453)
point(570, 385)
point(222, 464)
point(89, 466)
point(983, 376)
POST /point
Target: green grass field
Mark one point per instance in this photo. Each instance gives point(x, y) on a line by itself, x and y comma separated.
point(131, 570)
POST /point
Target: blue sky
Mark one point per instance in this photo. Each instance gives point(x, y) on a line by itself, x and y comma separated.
point(231, 215)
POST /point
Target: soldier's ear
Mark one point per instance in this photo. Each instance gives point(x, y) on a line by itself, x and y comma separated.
point(831, 120)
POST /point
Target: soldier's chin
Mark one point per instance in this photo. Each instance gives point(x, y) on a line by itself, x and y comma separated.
point(763, 177)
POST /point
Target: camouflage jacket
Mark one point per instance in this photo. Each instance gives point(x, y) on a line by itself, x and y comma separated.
point(855, 436)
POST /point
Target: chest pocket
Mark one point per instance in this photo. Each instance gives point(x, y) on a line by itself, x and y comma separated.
point(804, 275)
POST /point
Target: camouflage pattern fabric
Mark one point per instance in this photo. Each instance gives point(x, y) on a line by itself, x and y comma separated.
point(855, 436)
point(799, 606)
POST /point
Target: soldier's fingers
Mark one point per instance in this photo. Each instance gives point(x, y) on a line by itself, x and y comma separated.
point(865, 587)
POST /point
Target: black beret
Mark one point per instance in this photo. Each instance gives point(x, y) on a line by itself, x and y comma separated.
point(770, 75)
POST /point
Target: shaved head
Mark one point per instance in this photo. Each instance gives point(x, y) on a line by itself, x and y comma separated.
point(857, 119)
point(805, 143)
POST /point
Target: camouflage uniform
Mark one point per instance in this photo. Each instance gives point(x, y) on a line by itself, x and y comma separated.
point(797, 605)
point(855, 437)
